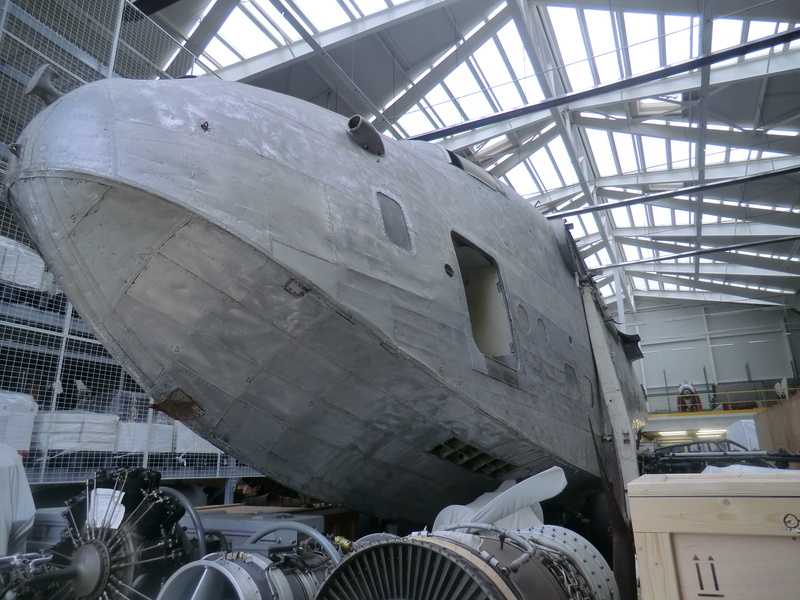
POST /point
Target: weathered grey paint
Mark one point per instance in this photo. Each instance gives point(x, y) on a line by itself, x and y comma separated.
point(227, 241)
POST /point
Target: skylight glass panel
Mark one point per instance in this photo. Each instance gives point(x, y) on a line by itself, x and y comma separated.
point(573, 50)
point(415, 122)
point(626, 153)
point(287, 31)
point(444, 107)
point(681, 154)
point(323, 15)
point(731, 29)
point(497, 76)
point(268, 25)
point(243, 35)
point(655, 153)
point(520, 179)
point(545, 169)
point(641, 31)
point(757, 30)
point(562, 160)
point(715, 155)
point(589, 223)
point(591, 261)
point(518, 57)
point(726, 33)
point(219, 53)
point(371, 6)
point(709, 219)
point(602, 152)
point(662, 217)
point(620, 217)
point(639, 283)
point(468, 93)
point(739, 155)
point(601, 38)
point(681, 38)
point(683, 217)
point(648, 253)
point(639, 215)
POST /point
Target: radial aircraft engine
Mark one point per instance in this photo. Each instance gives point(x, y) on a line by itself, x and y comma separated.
point(373, 322)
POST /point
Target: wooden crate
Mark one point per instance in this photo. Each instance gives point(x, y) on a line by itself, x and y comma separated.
point(779, 426)
point(727, 537)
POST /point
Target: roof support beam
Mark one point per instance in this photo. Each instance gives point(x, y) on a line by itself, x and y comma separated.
point(740, 212)
point(695, 63)
point(457, 55)
point(538, 38)
point(761, 262)
point(333, 74)
point(200, 38)
point(693, 190)
point(706, 29)
point(300, 50)
point(714, 231)
point(785, 10)
point(730, 274)
point(755, 140)
point(641, 180)
point(755, 68)
point(522, 152)
point(721, 288)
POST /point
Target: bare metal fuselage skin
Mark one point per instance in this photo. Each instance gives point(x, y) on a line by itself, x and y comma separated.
point(228, 242)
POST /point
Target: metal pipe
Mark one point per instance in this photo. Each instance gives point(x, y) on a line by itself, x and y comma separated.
point(112, 59)
point(198, 524)
point(527, 547)
point(336, 558)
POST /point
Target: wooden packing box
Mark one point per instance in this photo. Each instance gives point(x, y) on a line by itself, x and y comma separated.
point(727, 537)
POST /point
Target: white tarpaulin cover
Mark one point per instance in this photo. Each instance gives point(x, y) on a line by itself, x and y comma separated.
point(744, 432)
point(511, 507)
point(16, 502)
point(22, 266)
point(17, 413)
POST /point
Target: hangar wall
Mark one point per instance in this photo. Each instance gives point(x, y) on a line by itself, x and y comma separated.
point(734, 354)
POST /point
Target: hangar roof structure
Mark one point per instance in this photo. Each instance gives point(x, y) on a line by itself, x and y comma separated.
point(683, 112)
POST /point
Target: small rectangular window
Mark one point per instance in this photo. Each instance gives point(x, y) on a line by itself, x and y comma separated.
point(394, 222)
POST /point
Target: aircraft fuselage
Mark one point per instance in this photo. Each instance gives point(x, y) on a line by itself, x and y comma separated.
point(385, 332)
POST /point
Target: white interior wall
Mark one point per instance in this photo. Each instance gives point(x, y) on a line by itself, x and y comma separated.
point(707, 345)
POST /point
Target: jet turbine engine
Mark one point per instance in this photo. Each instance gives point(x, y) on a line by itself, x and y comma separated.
point(545, 563)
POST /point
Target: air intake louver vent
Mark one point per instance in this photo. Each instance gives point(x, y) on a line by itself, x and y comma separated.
point(464, 455)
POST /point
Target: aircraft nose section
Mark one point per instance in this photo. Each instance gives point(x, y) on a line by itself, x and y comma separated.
point(74, 133)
